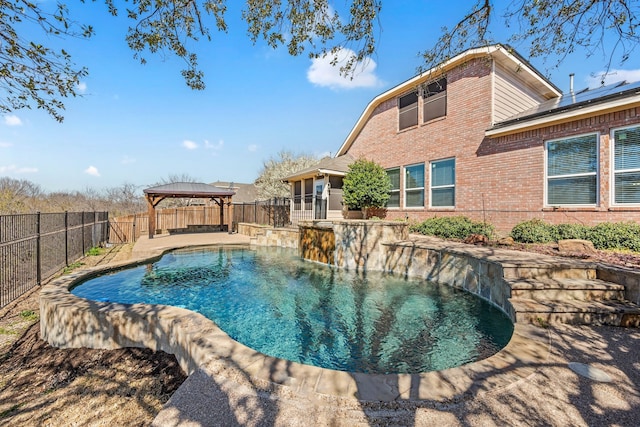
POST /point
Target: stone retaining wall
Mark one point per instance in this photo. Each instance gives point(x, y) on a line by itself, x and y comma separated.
point(264, 235)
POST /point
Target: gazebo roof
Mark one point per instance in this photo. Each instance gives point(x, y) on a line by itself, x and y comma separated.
point(188, 189)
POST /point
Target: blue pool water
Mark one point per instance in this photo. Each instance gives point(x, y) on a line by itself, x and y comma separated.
point(282, 306)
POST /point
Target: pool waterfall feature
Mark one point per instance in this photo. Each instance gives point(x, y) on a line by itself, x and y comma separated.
point(371, 245)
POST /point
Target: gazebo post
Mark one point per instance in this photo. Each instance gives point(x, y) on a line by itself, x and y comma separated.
point(151, 212)
point(221, 204)
point(229, 217)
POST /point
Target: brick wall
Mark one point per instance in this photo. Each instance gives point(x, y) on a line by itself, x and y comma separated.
point(500, 180)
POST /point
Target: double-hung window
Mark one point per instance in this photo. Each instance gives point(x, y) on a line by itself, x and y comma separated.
point(626, 165)
point(414, 186)
point(443, 183)
point(394, 194)
point(407, 111)
point(434, 100)
point(572, 165)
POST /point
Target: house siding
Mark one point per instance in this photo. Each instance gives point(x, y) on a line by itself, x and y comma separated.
point(500, 180)
point(511, 96)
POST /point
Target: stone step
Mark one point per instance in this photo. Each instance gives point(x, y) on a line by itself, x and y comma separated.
point(619, 313)
point(565, 289)
point(549, 271)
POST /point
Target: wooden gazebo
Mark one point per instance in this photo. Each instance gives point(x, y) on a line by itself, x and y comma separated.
point(192, 190)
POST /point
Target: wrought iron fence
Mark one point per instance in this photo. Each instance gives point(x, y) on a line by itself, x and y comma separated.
point(273, 212)
point(34, 247)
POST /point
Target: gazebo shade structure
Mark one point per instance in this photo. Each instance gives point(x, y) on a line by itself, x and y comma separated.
point(187, 190)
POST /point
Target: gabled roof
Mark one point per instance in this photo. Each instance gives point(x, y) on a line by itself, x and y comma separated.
point(571, 106)
point(244, 192)
point(336, 166)
point(188, 189)
point(502, 54)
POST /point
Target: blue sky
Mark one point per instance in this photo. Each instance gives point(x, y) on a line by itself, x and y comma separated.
point(140, 123)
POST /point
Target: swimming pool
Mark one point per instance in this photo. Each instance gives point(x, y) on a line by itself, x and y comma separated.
point(282, 306)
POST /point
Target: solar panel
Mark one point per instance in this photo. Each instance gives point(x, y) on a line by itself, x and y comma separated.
point(575, 100)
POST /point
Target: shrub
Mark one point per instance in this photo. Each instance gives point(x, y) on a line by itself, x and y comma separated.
point(607, 235)
point(534, 231)
point(366, 185)
point(616, 235)
point(571, 231)
point(453, 227)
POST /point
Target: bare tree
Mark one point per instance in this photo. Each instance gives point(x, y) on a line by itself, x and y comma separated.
point(269, 182)
point(18, 195)
point(547, 29)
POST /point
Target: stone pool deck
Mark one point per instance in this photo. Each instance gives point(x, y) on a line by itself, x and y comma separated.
point(533, 381)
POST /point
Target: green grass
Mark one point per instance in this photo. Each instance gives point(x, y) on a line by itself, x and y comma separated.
point(29, 315)
point(95, 251)
point(4, 331)
point(68, 269)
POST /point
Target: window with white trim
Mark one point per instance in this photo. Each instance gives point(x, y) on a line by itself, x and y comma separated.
point(443, 183)
point(626, 165)
point(572, 165)
point(394, 194)
point(414, 186)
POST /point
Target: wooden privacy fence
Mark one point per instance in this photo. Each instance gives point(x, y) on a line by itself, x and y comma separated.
point(127, 229)
point(34, 247)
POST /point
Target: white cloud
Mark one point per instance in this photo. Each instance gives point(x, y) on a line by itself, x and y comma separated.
point(613, 76)
point(210, 146)
point(81, 87)
point(12, 120)
point(16, 169)
point(189, 145)
point(322, 73)
point(127, 160)
point(92, 170)
point(5, 144)
point(252, 148)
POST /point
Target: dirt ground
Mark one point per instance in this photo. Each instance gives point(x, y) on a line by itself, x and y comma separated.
point(45, 386)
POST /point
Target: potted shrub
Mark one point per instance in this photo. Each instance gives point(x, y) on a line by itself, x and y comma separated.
point(366, 187)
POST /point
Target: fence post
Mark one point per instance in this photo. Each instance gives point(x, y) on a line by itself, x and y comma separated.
point(66, 238)
point(134, 237)
point(38, 251)
point(82, 232)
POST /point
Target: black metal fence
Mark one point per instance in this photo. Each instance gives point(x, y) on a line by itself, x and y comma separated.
point(273, 212)
point(34, 247)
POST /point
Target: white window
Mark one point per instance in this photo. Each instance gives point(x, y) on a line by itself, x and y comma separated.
point(394, 194)
point(414, 186)
point(626, 165)
point(572, 165)
point(443, 183)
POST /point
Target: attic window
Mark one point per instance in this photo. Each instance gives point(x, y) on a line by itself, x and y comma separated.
point(408, 110)
point(434, 100)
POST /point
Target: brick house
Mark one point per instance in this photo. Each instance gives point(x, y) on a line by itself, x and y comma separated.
point(485, 135)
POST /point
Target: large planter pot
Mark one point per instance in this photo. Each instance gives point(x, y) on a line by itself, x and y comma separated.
point(380, 213)
point(352, 214)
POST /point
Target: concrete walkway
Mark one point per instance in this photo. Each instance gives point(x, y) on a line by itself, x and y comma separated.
point(561, 376)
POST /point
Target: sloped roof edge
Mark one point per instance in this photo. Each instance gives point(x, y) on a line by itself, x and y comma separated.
point(188, 189)
point(507, 53)
point(338, 165)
